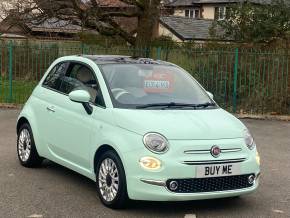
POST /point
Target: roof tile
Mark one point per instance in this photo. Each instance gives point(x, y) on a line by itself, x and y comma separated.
point(112, 3)
point(188, 28)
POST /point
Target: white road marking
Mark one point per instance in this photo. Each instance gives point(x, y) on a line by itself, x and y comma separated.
point(35, 216)
point(278, 211)
point(190, 216)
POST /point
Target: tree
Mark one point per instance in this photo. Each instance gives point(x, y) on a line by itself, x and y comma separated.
point(248, 22)
point(5, 6)
point(90, 14)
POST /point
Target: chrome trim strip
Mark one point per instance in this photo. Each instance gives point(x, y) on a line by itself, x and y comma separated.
point(197, 151)
point(225, 150)
point(214, 161)
point(230, 150)
point(154, 182)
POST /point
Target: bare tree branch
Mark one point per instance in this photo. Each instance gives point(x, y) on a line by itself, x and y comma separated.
point(137, 3)
point(95, 15)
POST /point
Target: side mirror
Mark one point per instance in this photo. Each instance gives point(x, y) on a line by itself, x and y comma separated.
point(80, 96)
point(210, 94)
point(83, 97)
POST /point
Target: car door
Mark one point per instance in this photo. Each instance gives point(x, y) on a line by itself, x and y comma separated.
point(69, 133)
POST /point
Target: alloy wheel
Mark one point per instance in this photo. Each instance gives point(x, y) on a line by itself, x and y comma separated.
point(24, 145)
point(108, 179)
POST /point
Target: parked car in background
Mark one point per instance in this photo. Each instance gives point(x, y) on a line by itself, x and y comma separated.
point(142, 129)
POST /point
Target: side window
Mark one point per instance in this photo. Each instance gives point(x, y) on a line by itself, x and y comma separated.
point(54, 77)
point(82, 77)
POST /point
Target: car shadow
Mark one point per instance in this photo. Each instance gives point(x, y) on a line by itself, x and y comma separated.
point(163, 208)
point(168, 209)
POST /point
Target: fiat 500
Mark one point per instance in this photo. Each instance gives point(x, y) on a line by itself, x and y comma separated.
point(142, 129)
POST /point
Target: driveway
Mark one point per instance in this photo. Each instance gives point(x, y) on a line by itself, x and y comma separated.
point(54, 191)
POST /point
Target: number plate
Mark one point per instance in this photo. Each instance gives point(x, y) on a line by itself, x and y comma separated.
point(218, 170)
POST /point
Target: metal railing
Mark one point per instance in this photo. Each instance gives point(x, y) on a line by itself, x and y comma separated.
point(242, 80)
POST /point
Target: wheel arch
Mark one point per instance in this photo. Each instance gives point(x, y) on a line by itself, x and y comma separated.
point(27, 116)
point(102, 149)
point(20, 122)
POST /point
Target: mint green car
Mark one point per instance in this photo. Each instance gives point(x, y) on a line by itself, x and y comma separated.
point(142, 129)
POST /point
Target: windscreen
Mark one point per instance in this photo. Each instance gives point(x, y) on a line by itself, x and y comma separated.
point(133, 85)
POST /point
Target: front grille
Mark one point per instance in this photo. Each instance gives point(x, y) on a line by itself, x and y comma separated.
point(212, 184)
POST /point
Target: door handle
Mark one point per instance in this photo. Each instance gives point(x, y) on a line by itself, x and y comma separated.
point(51, 109)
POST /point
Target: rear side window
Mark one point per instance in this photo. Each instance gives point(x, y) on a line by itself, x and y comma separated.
point(54, 78)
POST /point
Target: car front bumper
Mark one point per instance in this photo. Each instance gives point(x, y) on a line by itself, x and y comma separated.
point(150, 185)
point(150, 192)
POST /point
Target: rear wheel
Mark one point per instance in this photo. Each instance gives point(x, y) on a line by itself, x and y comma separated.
point(26, 150)
point(111, 181)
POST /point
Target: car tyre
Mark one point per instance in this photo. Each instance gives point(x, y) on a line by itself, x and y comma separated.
point(26, 149)
point(111, 181)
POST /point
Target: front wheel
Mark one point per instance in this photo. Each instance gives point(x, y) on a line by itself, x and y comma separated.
point(111, 181)
point(26, 150)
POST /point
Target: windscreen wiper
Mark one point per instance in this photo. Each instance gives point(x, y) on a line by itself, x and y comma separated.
point(176, 105)
point(205, 105)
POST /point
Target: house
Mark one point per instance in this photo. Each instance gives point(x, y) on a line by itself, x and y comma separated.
point(192, 19)
point(206, 9)
point(126, 23)
point(14, 27)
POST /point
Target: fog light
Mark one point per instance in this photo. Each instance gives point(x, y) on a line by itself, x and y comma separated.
point(251, 179)
point(257, 158)
point(150, 163)
point(173, 185)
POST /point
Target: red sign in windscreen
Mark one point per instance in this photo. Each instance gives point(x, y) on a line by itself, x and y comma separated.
point(159, 82)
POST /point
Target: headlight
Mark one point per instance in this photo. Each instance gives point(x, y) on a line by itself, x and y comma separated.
point(156, 142)
point(249, 140)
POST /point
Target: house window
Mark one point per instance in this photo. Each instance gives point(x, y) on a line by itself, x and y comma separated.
point(192, 13)
point(196, 14)
point(220, 13)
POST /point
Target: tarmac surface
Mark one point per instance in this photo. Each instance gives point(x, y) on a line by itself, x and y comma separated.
point(54, 191)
